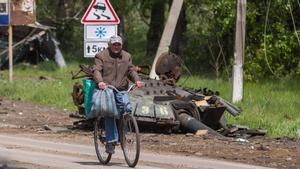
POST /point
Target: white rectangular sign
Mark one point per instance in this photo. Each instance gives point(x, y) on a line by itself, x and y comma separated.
point(4, 7)
point(91, 48)
point(99, 32)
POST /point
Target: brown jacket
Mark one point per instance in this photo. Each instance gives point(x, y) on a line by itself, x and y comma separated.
point(114, 71)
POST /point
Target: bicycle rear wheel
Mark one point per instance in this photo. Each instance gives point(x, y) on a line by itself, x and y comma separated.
point(130, 139)
point(99, 140)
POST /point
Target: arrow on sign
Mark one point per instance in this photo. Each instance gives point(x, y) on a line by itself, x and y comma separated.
point(93, 47)
point(88, 49)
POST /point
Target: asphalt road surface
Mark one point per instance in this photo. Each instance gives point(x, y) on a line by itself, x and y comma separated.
point(18, 151)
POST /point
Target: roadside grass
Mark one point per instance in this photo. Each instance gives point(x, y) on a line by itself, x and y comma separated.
point(271, 105)
point(29, 84)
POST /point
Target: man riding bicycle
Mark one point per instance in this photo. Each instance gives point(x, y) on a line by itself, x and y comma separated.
point(113, 66)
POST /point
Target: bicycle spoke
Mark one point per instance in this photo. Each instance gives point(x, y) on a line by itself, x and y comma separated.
point(130, 140)
point(99, 140)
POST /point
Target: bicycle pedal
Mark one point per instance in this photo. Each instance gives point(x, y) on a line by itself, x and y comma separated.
point(116, 143)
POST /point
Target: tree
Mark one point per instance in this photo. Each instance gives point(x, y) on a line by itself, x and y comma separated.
point(178, 40)
point(156, 26)
point(65, 16)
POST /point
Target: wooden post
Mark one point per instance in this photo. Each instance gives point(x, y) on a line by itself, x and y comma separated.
point(167, 35)
point(10, 51)
point(239, 52)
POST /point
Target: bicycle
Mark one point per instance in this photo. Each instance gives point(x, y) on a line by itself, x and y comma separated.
point(128, 137)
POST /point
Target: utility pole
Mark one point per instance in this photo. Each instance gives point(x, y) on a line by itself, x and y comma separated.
point(10, 51)
point(167, 35)
point(239, 51)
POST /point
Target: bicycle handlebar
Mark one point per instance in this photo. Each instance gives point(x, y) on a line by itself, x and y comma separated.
point(131, 87)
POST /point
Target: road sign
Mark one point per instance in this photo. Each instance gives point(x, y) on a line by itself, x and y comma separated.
point(4, 12)
point(91, 48)
point(100, 11)
point(99, 32)
point(23, 12)
point(100, 23)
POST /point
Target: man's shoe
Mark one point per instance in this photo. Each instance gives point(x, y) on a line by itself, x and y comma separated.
point(110, 148)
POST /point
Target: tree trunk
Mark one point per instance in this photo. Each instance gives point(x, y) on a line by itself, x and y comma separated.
point(178, 37)
point(122, 30)
point(122, 27)
point(156, 27)
point(60, 14)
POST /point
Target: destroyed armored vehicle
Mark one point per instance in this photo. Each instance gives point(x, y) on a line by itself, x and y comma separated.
point(32, 43)
point(161, 106)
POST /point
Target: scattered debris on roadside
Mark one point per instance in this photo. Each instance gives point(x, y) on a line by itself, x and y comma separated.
point(56, 129)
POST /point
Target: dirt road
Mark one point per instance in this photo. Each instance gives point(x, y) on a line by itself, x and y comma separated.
point(67, 155)
point(32, 121)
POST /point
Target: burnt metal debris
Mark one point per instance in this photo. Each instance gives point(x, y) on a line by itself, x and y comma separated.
point(161, 106)
point(33, 43)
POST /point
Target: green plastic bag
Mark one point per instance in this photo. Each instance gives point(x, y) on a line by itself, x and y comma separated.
point(88, 87)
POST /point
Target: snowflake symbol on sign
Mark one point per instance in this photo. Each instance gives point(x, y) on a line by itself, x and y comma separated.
point(100, 32)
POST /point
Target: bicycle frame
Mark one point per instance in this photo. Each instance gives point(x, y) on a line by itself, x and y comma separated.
point(127, 124)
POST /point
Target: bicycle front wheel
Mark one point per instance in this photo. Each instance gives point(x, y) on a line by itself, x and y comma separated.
point(99, 140)
point(130, 139)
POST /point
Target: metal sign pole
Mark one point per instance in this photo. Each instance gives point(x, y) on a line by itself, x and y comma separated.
point(10, 52)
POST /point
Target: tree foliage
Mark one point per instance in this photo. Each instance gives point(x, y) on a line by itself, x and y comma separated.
point(207, 32)
point(272, 47)
point(271, 53)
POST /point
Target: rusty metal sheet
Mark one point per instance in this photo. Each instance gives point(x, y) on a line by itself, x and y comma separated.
point(23, 12)
point(201, 103)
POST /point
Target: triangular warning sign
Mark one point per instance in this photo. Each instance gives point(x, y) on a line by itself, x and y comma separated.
point(100, 11)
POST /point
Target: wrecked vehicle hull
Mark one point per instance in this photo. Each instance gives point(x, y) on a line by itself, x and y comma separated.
point(160, 107)
point(156, 110)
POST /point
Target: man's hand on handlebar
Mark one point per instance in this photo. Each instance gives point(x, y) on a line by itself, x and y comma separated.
point(139, 84)
point(102, 85)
